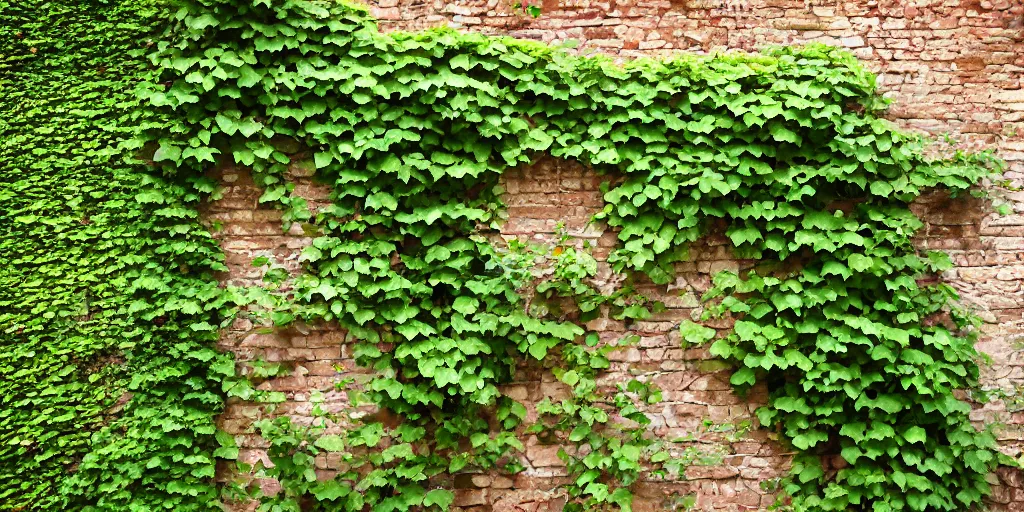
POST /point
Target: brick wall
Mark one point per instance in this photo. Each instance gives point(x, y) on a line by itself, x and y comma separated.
point(951, 67)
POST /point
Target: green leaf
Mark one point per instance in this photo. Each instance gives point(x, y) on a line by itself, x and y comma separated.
point(331, 490)
point(330, 443)
point(694, 333)
point(743, 376)
point(248, 76)
point(465, 305)
point(322, 159)
point(784, 301)
point(915, 434)
point(167, 152)
point(440, 498)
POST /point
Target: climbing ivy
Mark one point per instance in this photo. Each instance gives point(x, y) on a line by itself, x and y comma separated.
point(108, 303)
point(784, 152)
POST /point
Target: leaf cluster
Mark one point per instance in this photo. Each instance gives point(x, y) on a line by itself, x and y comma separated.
point(109, 308)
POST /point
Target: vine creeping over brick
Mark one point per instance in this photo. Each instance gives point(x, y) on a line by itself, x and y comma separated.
point(782, 150)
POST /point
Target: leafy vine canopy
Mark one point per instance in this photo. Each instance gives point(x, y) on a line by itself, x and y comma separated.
point(109, 305)
point(783, 150)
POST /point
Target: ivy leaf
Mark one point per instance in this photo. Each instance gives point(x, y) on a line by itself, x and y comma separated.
point(322, 159)
point(167, 152)
point(694, 333)
point(440, 498)
point(881, 188)
point(915, 434)
point(743, 376)
point(783, 301)
point(860, 263)
point(465, 305)
point(810, 472)
point(331, 490)
point(248, 76)
point(580, 432)
point(330, 443)
point(889, 404)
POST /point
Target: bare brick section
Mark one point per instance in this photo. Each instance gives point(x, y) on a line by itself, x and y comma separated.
point(951, 66)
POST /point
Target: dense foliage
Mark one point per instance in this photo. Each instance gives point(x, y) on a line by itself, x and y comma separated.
point(782, 150)
point(414, 129)
point(108, 305)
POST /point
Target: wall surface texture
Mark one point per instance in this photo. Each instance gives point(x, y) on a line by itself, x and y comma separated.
point(951, 67)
